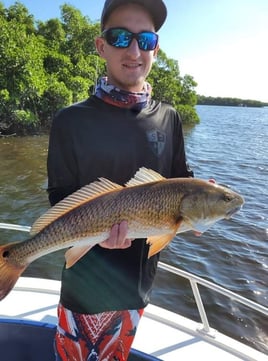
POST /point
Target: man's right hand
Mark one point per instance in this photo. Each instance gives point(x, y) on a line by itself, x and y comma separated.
point(117, 238)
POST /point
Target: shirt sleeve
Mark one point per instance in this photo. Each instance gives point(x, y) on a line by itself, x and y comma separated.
point(61, 164)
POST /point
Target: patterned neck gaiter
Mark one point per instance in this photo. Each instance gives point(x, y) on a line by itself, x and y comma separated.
point(122, 98)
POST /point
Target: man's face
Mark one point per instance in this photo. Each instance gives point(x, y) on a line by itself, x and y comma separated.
point(128, 68)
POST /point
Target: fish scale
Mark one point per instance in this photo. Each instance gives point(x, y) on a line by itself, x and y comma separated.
point(155, 208)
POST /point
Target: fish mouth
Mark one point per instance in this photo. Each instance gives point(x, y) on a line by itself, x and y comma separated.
point(231, 212)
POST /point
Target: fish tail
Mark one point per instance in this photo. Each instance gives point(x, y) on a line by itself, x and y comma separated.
point(9, 270)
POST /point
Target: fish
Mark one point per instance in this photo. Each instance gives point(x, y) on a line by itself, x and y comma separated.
point(155, 208)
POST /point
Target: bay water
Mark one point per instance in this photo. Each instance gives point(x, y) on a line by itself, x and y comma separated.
point(229, 145)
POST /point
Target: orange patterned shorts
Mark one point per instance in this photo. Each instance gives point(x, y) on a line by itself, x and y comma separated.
point(105, 336)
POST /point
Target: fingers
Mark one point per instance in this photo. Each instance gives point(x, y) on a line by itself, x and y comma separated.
point(117, 238)
point(120, 232)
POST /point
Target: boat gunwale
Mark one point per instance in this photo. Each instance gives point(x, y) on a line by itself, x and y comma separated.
point(171, 319)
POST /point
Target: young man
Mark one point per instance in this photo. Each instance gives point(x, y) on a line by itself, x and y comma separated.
point(112, 134)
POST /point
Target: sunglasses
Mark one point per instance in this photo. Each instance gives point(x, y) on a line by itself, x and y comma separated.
point(122, 38)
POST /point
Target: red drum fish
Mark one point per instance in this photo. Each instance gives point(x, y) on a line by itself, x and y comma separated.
point(156, 208)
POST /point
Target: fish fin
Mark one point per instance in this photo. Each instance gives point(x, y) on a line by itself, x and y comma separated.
point(74, 254)
point(157, 243)
point(144, 175)
point(76, 199)
point(9, 272)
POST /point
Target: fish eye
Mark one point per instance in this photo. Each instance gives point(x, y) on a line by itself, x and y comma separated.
point(228, 198)
point(5, 254)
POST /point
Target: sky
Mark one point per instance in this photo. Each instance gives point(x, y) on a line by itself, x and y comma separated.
point(221, 43)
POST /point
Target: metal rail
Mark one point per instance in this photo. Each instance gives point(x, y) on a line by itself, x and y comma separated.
point(15, 227)
point(194, 281)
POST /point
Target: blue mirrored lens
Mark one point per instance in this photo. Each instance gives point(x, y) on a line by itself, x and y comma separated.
point(147, 40)
point(122, 38)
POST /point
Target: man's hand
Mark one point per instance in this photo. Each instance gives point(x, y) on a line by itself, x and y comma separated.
point(117, 237)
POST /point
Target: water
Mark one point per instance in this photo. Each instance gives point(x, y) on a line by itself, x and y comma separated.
point(228, 145)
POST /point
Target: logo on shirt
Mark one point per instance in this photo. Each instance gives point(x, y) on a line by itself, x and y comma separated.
point(157, 141)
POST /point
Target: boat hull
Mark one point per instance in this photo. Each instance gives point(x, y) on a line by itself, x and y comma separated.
point(161, 335)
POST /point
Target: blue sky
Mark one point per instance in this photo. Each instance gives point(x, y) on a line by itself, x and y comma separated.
point(221, 43)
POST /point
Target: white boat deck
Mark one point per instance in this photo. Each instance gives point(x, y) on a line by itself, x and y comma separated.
point(161, 333)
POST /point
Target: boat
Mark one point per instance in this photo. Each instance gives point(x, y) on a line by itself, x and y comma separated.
point(28, 318)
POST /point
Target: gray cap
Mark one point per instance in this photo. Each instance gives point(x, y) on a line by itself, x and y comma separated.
point(156, 8)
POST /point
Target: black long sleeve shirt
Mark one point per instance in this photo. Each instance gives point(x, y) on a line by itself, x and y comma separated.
point(93, 139)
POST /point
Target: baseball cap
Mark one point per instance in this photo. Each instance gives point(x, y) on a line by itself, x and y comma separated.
point(156, 8)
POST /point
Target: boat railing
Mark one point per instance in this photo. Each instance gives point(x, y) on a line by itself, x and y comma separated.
point(194, 280)
point(15, 227)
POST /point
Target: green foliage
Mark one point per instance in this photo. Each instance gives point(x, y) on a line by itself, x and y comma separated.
point(52, 32)
point(234, 102)
point(58, 64)
point(165, 80)
point(170, 87)
point(24, 122)
point(49, 65)
point(79, 87)
point(4, 97)
point(25, 117)
point(18, 13)
point(188, 114)
point(55, 97)
point(188, 95)
point(5, 108)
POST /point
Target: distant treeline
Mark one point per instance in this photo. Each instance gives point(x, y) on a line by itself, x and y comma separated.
point(234, 102)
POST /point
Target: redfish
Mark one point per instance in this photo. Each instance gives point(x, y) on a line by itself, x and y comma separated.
point(155, 208)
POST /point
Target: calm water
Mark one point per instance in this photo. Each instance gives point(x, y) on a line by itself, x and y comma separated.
point(229, 145)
